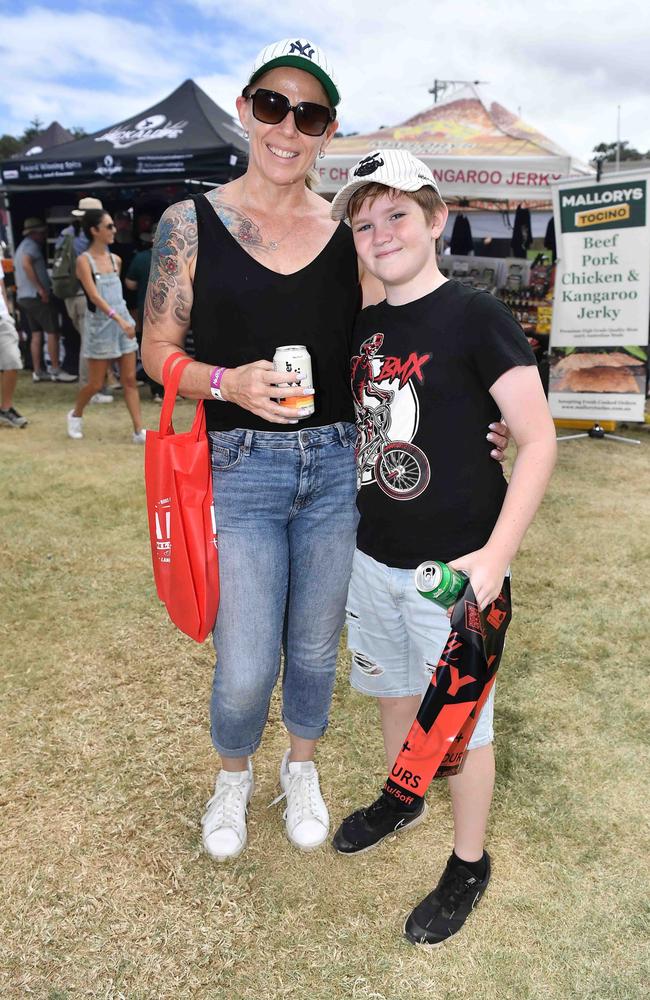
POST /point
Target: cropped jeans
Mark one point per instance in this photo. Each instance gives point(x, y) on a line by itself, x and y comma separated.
point(286, 523)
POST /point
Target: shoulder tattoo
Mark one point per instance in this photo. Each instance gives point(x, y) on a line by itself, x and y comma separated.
point(244, 229)
point(170, 289)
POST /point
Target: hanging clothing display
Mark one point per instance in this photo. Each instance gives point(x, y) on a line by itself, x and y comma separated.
point(549, 239)
point(522, 236)
point(461, 237)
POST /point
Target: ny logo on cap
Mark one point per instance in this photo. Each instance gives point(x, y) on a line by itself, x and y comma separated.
point(369, 165)
point(306, 50)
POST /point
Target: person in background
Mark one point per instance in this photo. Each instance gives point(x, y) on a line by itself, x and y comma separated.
point(10, 364)
point(124, 245)
point(144, 224)
point(109, 331)
point(76, 304)
point(33, 290)
point(136, 281)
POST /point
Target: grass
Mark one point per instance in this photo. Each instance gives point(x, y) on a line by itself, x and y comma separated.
point(107, 764)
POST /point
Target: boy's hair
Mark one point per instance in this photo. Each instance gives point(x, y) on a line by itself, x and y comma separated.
point(426, 197)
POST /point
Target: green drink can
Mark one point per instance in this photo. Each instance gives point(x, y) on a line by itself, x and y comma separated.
point(438, 583)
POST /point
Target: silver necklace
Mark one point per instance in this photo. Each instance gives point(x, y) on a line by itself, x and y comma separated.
point(245, 235)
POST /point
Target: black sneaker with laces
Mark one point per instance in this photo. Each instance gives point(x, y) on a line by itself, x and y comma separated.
point(444, 911)
point(12, 418)
point(367, 827)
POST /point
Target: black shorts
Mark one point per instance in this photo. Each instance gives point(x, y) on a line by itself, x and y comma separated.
point(41, 315)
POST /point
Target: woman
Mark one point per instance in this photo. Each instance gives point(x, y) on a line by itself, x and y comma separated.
point(109, 331)
point(254, 265)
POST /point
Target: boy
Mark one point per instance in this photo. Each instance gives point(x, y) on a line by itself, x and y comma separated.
point(434, 352)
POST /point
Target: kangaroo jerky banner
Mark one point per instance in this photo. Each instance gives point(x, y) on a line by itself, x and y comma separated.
point(460, 686)
point(599, 334)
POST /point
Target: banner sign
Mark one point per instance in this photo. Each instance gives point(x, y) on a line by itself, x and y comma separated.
point(115, 168)
point(507, 177)
point(601, 309)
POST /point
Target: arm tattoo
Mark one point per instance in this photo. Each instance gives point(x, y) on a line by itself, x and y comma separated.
point(169, 291)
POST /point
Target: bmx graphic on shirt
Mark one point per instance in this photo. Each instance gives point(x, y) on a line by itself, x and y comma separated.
point(387, 412)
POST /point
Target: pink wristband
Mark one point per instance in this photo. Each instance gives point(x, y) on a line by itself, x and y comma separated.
point(215, 377)
point(215, 382)
point(111, 314)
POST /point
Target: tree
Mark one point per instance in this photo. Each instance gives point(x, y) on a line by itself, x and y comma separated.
point(606, 151)
point(10, 144)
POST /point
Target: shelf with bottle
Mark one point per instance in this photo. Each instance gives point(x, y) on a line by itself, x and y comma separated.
point(530, 307)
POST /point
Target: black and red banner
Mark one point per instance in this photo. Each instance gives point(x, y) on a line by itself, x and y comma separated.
point(460, 686)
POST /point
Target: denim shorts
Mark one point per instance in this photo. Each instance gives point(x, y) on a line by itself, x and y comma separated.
point(396, 637)
point(286, 517)
point(104, 339)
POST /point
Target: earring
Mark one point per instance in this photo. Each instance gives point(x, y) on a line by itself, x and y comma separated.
point(245, 135)
point(321, 155)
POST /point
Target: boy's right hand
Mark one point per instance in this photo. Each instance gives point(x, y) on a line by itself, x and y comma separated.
point(486, 570)
point(499, 436)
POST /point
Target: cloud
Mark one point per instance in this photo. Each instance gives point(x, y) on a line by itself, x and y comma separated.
point(85, 68)
point(566, 65)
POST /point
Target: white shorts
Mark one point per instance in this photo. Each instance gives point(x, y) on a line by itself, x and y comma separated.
point(10, 359)
point(396, 637)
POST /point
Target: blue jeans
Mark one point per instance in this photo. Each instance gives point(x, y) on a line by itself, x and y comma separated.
point(286, 523)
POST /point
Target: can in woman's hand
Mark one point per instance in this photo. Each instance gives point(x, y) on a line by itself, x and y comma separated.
point(295, 360)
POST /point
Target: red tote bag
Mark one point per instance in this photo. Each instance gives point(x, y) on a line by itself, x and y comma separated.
point(180, 511)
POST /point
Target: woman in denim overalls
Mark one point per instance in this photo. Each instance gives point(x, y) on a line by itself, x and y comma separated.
point(109, 330)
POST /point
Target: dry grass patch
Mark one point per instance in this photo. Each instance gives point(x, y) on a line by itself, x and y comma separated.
point(107, 764)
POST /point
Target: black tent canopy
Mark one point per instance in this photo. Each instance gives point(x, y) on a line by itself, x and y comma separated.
point(53, 135)
point(185, 136)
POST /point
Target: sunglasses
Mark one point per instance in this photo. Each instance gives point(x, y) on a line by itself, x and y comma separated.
point(271, 108)
point(110, 225)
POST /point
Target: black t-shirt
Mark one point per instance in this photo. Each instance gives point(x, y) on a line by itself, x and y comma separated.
point(421, 375)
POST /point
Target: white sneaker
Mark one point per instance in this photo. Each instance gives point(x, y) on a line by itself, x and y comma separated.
point(224, 819)
point(306, 816)
point(101, 397)
point(59, 375)
point(75, 425)
point(139, 437)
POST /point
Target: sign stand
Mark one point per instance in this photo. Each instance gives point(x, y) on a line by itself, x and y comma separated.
point(597, 432)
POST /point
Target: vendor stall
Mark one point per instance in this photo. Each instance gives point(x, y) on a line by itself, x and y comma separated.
point(494, 172)
point(475, 148)
point(181, 144)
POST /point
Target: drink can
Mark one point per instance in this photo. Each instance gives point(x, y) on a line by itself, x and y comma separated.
point(439, 583)
point(295, 360)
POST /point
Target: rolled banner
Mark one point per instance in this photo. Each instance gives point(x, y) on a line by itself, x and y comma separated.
point(460, 684)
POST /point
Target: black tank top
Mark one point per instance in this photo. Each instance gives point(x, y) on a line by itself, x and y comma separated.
point(242, 311)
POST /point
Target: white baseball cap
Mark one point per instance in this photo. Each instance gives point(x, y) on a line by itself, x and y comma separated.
point(396, 168)
point(86, 205)
point(301, 54)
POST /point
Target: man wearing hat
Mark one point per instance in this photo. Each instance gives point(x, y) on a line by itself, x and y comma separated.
point(33, 290)
point(76, 304)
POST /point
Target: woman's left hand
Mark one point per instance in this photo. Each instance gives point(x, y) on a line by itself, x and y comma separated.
point(486, 572)
point(499, 436)
point(127, 328)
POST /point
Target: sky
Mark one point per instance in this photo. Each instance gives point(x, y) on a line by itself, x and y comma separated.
point(565, 65)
